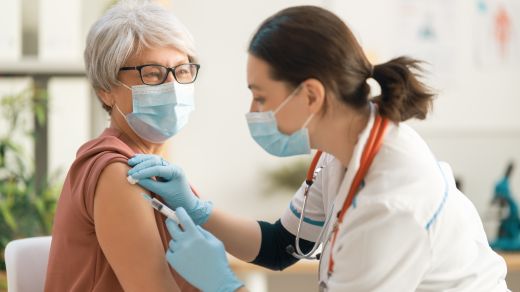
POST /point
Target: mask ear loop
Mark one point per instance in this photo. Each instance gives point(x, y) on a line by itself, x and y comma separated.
point(119, 110)
point(138, 144)
point(307, 121)
point(125, 86)
point(115, 104)
point(287, 99)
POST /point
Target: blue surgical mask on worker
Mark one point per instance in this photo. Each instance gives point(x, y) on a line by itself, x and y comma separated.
point(264, 130)
point(160, 111)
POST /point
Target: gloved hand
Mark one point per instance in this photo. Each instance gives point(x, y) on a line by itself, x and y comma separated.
point(199, 257)
point(171, 185)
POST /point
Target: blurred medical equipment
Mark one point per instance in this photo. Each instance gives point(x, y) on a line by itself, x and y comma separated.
point(508, 237)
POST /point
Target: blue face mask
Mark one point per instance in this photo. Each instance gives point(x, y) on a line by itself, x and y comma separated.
point(264, 130)
point(160, 111)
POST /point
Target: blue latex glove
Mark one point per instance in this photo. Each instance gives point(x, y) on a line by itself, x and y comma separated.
point(199, 257)
point(171, 185)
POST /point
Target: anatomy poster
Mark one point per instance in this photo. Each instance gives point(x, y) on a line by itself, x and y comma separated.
point(496, 33)
point(429, 30)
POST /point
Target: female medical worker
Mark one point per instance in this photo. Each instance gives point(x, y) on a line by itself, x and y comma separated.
point(387, 214)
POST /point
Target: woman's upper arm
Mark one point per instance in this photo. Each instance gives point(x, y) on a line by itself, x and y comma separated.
point(128, 235)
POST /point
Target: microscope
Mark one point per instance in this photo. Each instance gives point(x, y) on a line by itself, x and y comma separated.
point(508, 238)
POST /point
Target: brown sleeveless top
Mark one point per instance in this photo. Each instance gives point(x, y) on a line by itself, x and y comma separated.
point(76, 261)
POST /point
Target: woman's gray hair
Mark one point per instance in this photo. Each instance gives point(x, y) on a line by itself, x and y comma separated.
point(124, 30)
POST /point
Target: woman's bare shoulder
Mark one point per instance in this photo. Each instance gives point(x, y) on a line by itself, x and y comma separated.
point(127, 232)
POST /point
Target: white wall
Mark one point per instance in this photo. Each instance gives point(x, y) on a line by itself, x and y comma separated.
point(69, 108)
point(10, 34)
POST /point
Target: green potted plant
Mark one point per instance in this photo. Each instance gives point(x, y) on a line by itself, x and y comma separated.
point(26, 209)
point(288, 177)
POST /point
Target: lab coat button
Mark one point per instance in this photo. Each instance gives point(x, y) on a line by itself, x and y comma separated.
point(323, 286)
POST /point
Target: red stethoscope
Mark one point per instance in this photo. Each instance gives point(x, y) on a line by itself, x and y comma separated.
point(372, 146)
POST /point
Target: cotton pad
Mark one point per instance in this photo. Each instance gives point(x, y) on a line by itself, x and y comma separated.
point(131, 180)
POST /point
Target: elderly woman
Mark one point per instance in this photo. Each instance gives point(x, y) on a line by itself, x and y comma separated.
point(140, 60)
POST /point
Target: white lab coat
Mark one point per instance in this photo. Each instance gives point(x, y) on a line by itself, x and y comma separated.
point(409, 228)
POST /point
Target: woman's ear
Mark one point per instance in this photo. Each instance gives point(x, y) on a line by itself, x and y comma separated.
point(315, 94)
point(106, 97)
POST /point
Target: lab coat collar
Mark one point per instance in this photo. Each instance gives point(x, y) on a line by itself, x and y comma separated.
point(355, 160)
point(342, 189)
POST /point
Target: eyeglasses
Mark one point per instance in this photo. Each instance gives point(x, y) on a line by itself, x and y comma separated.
point(153, 74)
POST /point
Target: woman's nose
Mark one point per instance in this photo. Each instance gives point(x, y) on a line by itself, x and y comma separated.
point(253, 107)
point(169, 77)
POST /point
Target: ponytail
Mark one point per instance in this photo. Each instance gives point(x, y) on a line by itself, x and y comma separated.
point(403, 96)
point(287, 39)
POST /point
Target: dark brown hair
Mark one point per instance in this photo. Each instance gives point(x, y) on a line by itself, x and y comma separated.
point(305, 42)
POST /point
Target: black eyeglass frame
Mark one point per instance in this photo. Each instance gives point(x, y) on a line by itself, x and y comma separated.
point(168, 70)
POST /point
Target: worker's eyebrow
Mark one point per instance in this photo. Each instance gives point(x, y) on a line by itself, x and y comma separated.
point(253, 87)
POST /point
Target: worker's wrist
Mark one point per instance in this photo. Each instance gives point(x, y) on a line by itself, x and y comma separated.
point(231, 283)
point(200, 213)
